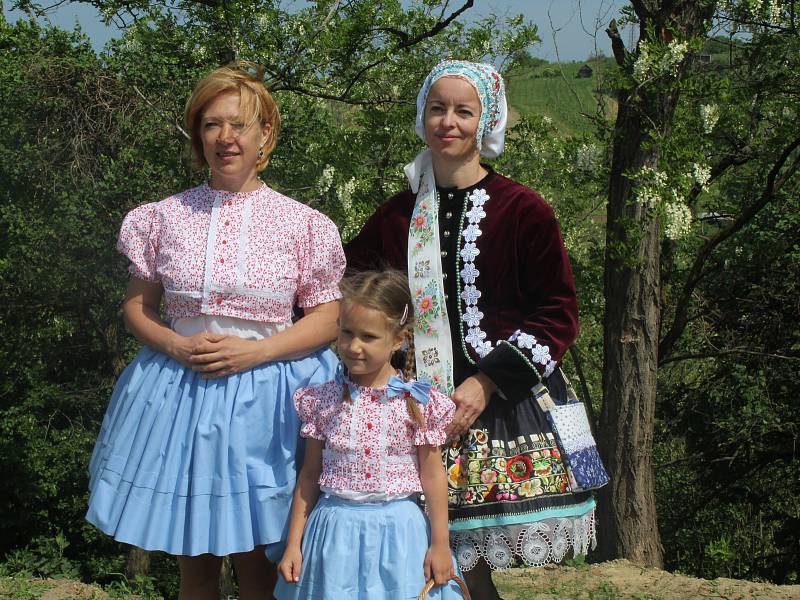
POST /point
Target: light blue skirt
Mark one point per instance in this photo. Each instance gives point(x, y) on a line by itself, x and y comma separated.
point(364, 551)
point(191, 466)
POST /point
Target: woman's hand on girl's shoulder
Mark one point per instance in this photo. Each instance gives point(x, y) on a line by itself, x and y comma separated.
point(290, 564)
point(439, 564)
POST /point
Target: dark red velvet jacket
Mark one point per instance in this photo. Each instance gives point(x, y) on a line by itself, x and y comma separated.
point(525, 278)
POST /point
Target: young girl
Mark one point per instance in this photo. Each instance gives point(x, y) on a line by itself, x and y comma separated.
point(373, 444)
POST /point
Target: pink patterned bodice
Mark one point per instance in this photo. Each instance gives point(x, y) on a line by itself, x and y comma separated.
point(370, 441)
point(249, 255)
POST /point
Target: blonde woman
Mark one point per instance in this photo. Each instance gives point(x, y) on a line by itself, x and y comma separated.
point(196, 454)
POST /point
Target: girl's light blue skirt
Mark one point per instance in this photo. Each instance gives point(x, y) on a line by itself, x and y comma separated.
point(191, 466)
point(364, 551)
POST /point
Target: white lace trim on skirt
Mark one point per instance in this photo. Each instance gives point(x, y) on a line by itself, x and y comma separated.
point(531, 544)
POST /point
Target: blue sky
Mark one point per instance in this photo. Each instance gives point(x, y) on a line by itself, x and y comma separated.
point(570, 30)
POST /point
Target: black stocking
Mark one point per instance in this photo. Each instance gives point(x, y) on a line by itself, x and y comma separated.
point(479, 581)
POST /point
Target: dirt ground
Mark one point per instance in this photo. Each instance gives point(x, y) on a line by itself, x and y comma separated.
point(620, 579)
point(614, 580)
point(62, 590)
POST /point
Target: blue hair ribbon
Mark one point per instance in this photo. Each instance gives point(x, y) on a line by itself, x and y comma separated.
point(419, 390)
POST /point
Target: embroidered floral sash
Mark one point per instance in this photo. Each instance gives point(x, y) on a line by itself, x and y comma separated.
point(432, 340)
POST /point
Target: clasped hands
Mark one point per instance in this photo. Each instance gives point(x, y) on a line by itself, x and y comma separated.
point(217, 355)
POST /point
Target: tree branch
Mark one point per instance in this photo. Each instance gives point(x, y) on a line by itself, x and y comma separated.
point(617, 45)
point(435, 29)
point(297, 89)
point(560, 64)
point(717, 354)
point(775, 182)
point(171, 121)
point(641, 9)
point(282, 78)
point(731, 160)
point(282, 75)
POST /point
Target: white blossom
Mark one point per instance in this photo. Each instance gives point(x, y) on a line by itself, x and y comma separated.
point(650, 184)
point(570, 240)
point(587, 157)
point(710, 115)
point(262, 23)
point(676, 51)
point(345, 193)
point(132, 43)
point(643, 63)
point(325, 180)
point(677, 219)
point(774, 12)
point(701, 174)
point(647, 196)
point(655, 62)
point(200, 53)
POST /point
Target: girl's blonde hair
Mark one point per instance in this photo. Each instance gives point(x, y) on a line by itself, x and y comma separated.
point(256, 105)
point(387, 292)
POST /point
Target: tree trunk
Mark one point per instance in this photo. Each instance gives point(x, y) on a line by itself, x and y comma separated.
point(226, 587)
point(627, 519)
point(137, 564)
point(627, 525)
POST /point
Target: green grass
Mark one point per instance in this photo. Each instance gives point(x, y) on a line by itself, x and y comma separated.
point(529, 588)
point(21, 587)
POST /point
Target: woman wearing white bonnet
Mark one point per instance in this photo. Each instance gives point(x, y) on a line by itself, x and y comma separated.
point(496, 311)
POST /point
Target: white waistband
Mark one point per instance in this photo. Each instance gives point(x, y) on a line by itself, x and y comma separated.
point(367, 497)
point(243, 328)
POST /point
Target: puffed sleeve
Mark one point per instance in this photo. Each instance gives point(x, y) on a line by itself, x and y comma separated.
point(534, 346)
point(321, 263)
point(306, 404)
point(138, 241)
point(437, 413)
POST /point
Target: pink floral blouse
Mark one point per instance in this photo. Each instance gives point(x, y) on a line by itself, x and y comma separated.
point(370, 442)
point(250, 255)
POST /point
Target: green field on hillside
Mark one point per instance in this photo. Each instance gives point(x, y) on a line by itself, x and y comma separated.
point(555, 91)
